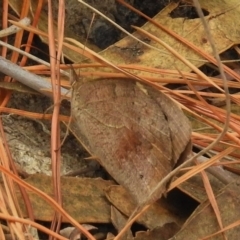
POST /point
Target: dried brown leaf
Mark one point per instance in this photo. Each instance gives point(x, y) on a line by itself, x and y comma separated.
point(159, 214)
point(203, 221)
point(83, 198)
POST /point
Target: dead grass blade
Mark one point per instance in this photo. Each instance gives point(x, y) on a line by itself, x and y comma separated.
point(55, 126)
point(233, 225)
point(9, 204)
point(212, 200)
point(53, 203)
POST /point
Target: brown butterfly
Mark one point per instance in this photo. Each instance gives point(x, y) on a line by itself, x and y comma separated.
point(137, 132)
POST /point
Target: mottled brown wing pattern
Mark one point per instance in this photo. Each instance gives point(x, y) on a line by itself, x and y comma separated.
point(131, 130)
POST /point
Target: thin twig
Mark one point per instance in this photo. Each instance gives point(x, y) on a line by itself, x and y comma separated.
point(14, 29)
point(30, 56)
point(31, 80)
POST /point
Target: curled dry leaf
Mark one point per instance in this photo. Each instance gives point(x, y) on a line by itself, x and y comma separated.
point(158, 214)
point(73, 233)
point(119, 221)
point(137, 132)
point(203, 221)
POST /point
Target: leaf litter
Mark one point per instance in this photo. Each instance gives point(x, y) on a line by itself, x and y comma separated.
point(215, 8)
